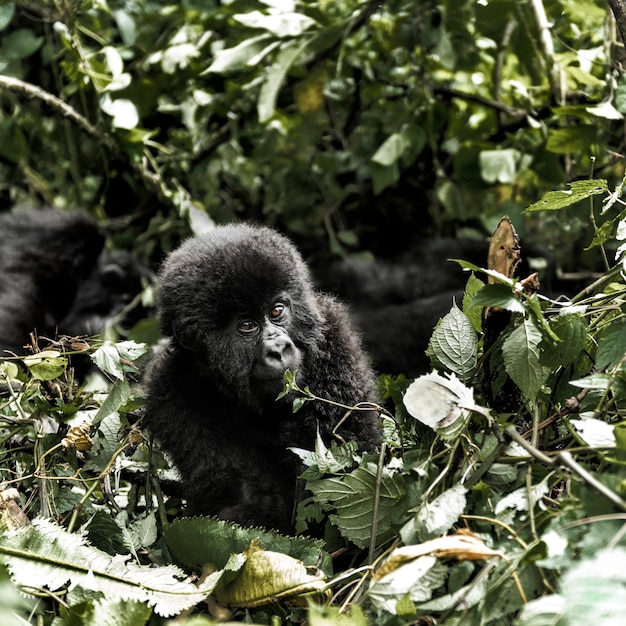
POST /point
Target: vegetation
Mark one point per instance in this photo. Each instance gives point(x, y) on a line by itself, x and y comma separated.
point(358, 127)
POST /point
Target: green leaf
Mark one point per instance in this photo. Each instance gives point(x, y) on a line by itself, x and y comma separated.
point(352, 496)
point(116, 358)
point(19, 44)
point(391, 150)
point(499, 296)
point(267, 577)
point(572, 332)
point(201, 540)
point(579, 190)
point(620, 95)
point(454, 344)
point(593, 381)
point(46, 365)
point(571, 140)
point(106, 612)
point(275, 78)
point(233, 59)
point(326, 615)
point(417, 579)
point(474, 313)
point(117, 397)
point(7, 10)
point(611, 344)
point(383, 176)
point(501, 166)
point(48, 554)
point(522, 359)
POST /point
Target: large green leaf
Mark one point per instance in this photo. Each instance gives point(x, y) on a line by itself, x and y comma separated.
point(522, 359)
point(454, 344)
point(352, 496)
point(47, 555)
point(198, 541)
point(579, 190)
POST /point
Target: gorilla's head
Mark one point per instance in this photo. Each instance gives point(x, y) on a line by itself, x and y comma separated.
point(241, 299)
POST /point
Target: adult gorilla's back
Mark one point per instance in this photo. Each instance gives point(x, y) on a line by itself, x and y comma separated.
point(44, 255)
point(240, 309)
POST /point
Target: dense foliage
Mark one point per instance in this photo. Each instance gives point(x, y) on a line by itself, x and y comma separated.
point(498, 496)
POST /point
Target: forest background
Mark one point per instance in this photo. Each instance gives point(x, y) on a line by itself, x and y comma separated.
point(361, 129)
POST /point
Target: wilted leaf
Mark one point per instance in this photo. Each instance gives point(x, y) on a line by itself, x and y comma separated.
point(463, 546)
point(267, 577)
point(443, 403)
point(437, 517)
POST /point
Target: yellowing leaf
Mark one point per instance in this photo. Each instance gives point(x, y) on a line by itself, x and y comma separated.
point(269, 576)
point(309, 93)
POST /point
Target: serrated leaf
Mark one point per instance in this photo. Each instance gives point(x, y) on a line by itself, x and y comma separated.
point(202, 540)
point(579, 190)
point(522, 359)
point(352, 496)
point(454, 344)
point(48, 554)
point(572, 332)
point(473, 313)
point(106, 612)
point(117, 397)
point(611, 345)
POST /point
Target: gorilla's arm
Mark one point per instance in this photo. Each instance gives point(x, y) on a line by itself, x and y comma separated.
point(231, 461)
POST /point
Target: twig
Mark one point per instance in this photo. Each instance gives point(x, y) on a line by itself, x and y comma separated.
point(565, 459)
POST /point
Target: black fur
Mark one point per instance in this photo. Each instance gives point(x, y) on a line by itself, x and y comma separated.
point(43, 257)
point(210, 395)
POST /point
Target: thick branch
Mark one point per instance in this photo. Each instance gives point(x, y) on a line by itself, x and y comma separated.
point(619, 11)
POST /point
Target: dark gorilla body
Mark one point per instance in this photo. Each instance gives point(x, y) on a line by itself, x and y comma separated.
point(240, 309)
point(44, 256)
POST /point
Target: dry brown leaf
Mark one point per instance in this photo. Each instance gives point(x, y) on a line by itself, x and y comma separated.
point(463, 546)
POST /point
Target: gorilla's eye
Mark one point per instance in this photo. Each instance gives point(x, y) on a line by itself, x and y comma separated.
point(248, 326)
point(278, 310)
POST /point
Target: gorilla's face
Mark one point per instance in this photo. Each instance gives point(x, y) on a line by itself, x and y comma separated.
point(275, 351)
point(241, 300)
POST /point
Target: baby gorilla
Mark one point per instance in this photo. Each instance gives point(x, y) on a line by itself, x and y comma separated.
point(240, 309)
